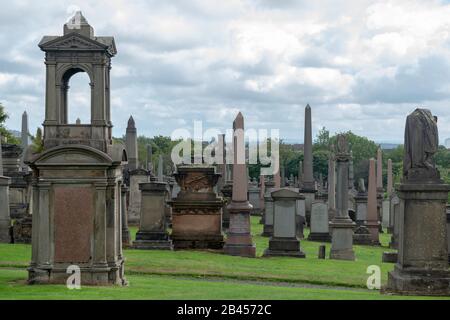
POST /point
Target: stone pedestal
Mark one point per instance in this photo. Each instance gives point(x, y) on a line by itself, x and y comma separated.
point(342, 239)
point(300, 217)
point(152, 232)
point(5, 220)
point(361, 236)
point(361, 209)
point(310, 195)
point(253, 198)
point(239, 239)
point(319, 230)
point(284, 241)
point(137, 177)
point(422, 267)
point(197, 210)
point(386, 213)
point(394, 221)
point(267, 186)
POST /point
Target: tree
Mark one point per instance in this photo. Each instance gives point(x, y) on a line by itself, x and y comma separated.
point(322, 141)
point(37, 141)
point(5, 133)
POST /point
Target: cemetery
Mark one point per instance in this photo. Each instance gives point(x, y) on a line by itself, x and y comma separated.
point(114, 213)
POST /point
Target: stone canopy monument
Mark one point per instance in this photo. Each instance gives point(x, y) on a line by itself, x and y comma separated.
point(422, 265)
point(78, 175)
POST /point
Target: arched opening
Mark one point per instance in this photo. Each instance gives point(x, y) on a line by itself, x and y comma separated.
point(76, 97)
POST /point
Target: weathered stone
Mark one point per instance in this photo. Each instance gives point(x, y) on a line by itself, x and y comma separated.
point(153, 232)
point(422, 265)
point(239, 240)
point(284, 242)
point(342, 226)
point(372, 222)
point(131, 145)
point(319, 230)
point(126, 238)
point(308, 185)
point(77, 176)
point(197, 210)
point(136, 177)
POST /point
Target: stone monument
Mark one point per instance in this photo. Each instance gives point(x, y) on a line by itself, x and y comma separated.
point(422, 265)
point(5, 219)
point(153, 233)
point(197, 210)
point(319, 230)
point(341, 225)
point(77, 176)
point(372, 222)
point(308, 184)
point(239, 240)
point(284, 241)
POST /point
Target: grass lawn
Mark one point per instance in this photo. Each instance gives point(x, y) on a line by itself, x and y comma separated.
point(211, 275)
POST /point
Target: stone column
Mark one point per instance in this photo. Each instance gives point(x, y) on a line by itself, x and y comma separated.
point(221, 158)
point(277, 178)
point(308, 183)
point(239, 239)
point(331, 186)
point(422, 265)
point(126, 239)
point(372, 222)
point(268, 209)
point(284, 240)
point(152, 232)
point(160, 169)
point(390, 179)
point(131, 144)
point(379, 170)
point(351, 173)
point(283, 177)
point(24, 139)
point(149, 158)
point(342, 226)
point(300, 174)
point(5, 219)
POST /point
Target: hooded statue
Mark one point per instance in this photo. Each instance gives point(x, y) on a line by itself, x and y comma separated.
point(421, 143)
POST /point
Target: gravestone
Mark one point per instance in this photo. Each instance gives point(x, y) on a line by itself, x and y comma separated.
point(262, 191)
point(319, 230)
point(372, 222)
point(239, 240)
point(5, 219)
point(422, 265)
point(331, 185)
point(386, 213)
point(153, 232)
point(197, 210)
point(301, 215)
point(284, 241)
point(342, 226)
point(395, 225)
point(268, 211)
point(78, 174)
point(253, 197)
point(136, 176)
point(308, 184)
point(131, 145)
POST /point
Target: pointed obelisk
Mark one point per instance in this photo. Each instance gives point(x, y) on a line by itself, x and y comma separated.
point(308, 186)
point(239, 239)
point(342, 226)
point(5, 218)
point(372, 222)
point(379, 177)
point(131, 145)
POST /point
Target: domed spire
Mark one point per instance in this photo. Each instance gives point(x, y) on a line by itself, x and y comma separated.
point(79, 24)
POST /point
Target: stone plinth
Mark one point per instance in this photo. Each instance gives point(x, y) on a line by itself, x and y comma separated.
point(422, 266)
point(152, 232)
point(76, 215)
point(137, 177)
point(239, 239)
point(284, 241)
point(319, 230)
point(5, 220)
point(197, 210)
point(361, 209)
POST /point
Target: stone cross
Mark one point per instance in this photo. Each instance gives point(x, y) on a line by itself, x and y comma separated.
point(308, 179)
point(342, 226)
point(239, 239)
point(131, 144)
point(372, 211)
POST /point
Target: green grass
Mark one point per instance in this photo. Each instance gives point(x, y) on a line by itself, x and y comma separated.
point(211, 275)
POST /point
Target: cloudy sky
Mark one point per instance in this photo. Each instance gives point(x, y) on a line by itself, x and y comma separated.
point(361, 65)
